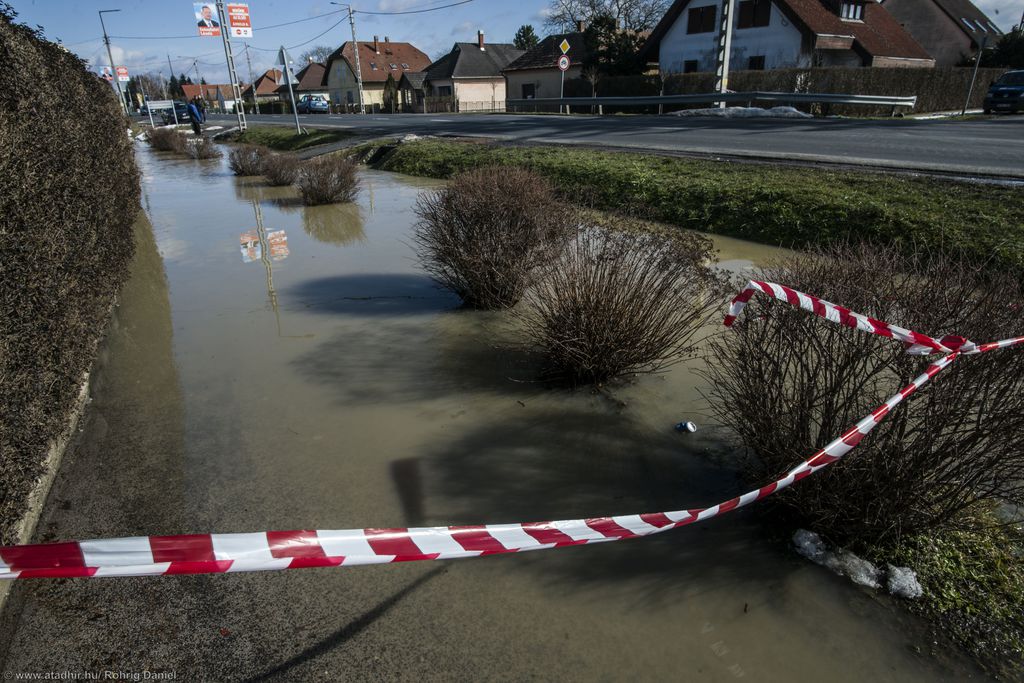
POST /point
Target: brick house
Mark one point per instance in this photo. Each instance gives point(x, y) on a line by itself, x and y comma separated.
point(950, 30)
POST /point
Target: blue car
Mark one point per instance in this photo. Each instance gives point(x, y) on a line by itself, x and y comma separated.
point(1006, 93)
point(313, 104)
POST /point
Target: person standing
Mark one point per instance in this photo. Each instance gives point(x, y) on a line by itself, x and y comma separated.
point(195, 114)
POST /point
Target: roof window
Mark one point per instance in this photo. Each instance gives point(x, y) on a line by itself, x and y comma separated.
point(404, 65)
point(373, 65)
point(394, 67)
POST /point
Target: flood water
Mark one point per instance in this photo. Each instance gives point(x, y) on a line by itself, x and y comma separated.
point(274, 366)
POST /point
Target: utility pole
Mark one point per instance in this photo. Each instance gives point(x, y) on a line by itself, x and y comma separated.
point(110, 56)
point(977, 63)
point(724, 49)
point(252, 83)
point(174, 111)
point(355, 52)
point(236, 92)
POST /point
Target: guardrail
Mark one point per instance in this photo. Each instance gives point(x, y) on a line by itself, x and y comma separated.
point(711, 98)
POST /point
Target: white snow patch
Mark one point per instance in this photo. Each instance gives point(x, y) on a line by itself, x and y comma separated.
point(842, 562)
point(410, 137)
point(903, 583)
point(745, 113)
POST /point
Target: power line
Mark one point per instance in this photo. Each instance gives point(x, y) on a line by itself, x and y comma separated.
point(256, 28)
point(417, 11)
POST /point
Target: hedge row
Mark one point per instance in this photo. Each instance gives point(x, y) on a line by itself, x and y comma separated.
point(69, 192)
point(780, 205)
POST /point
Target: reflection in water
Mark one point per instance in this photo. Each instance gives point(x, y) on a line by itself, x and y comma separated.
point(338, 224)
point(267, 247)
point(255, 189)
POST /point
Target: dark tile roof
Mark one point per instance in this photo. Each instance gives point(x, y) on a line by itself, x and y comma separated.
point(390, 53)
point(545, 54)
point(878, 35)
point(414, 79)
point(958, 10)
point(467, 60)
point(310, 78)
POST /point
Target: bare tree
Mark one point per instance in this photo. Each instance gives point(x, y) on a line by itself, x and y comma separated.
point(318, 53)
point(631, 15)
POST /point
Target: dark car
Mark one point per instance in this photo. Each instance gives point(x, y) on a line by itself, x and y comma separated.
point(1006, 93)
point(168, 117)
point(311, 104)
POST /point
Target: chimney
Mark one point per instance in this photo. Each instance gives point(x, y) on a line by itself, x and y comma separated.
point(480, 39)
point(386, 40)
point(581, 26)
point(376, 45)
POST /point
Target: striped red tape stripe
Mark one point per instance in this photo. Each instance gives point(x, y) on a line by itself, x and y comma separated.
point(273, 550)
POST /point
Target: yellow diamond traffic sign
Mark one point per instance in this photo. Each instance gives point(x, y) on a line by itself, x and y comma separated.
point(564, 45)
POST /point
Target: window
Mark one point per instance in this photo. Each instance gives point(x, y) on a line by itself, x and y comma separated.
point(529, 91)
point(981, 26)
point(756, 63)
point(701, 19)
point(404, 65)
point(373, 65)
point(853, 11)
point(348, 97)
point(690, 66)
point(394, 67)
point(444, 90)
point(754, 13)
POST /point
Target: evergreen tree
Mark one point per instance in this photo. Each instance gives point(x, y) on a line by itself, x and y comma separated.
point(172, 86)
point(525, 37)
point(611, 51)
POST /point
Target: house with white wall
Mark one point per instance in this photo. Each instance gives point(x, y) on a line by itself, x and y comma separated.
point(535, 74)
point(777, 34)
point(471, 75)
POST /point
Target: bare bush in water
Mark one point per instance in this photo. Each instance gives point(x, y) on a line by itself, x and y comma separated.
point(328, 179)
point(789, 383)
point(622, 301)
point(202, 148)
point(483, 235)
point(167, 140)
point(247, 159)
point(281, 169)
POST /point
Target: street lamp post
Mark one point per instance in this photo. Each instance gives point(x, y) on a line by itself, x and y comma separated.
point(110, 56)
point(355, 51)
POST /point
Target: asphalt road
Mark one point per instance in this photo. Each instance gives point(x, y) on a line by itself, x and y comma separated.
point(982, 147)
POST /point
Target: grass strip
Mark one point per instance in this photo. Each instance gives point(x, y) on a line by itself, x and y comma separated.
point(773, 204)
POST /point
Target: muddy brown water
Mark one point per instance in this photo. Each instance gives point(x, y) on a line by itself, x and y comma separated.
point(316, 379)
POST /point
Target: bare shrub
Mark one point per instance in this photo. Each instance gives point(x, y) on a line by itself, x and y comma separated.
point(281, 169)
point(328, 179)
point(483, 234)
point(622, 301)
point(202, 148)
point(247, 159)
point(789, 382)
point(167, 140)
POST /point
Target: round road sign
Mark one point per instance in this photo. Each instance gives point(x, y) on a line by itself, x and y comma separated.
point(563, 62)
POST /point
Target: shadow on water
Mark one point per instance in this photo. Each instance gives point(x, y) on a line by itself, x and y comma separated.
point(372, 295)
point(416, 358)
point(580, 462)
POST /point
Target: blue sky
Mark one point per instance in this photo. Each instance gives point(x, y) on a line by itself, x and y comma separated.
point(77, 25)
point(138, 29)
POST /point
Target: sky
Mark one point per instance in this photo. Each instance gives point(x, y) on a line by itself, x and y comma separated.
point(145, 32)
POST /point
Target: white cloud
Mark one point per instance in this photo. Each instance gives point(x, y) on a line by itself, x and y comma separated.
point(464, 28)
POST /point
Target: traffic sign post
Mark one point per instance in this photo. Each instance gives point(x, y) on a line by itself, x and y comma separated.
point(563, 65)
point(282, 58)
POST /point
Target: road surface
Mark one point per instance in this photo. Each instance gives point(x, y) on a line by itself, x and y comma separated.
point(984, 147)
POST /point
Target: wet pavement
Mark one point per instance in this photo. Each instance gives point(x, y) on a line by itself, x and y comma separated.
point(257, 379)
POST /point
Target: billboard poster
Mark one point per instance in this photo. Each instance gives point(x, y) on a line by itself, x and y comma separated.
point(122, 74)
point(251, 250)
point(238, 20)
point(107, 74)
point(278, 242)
point(206, 18)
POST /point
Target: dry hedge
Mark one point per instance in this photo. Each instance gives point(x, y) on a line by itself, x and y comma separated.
point(621, 301)
point(281, 169)
point(69, 192)
point(202, 148)
point(167, 140)
point(789, 383)
point(483, 235)
point(328, 179)
point(247, 159)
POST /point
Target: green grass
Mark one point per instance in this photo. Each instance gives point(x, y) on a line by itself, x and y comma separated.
point(974, 590)
point(285, 139)
point(773, 204)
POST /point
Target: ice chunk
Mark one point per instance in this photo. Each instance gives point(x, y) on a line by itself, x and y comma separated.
point(903, 582)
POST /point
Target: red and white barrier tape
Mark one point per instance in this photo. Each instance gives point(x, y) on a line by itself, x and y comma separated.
point(272, 550)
